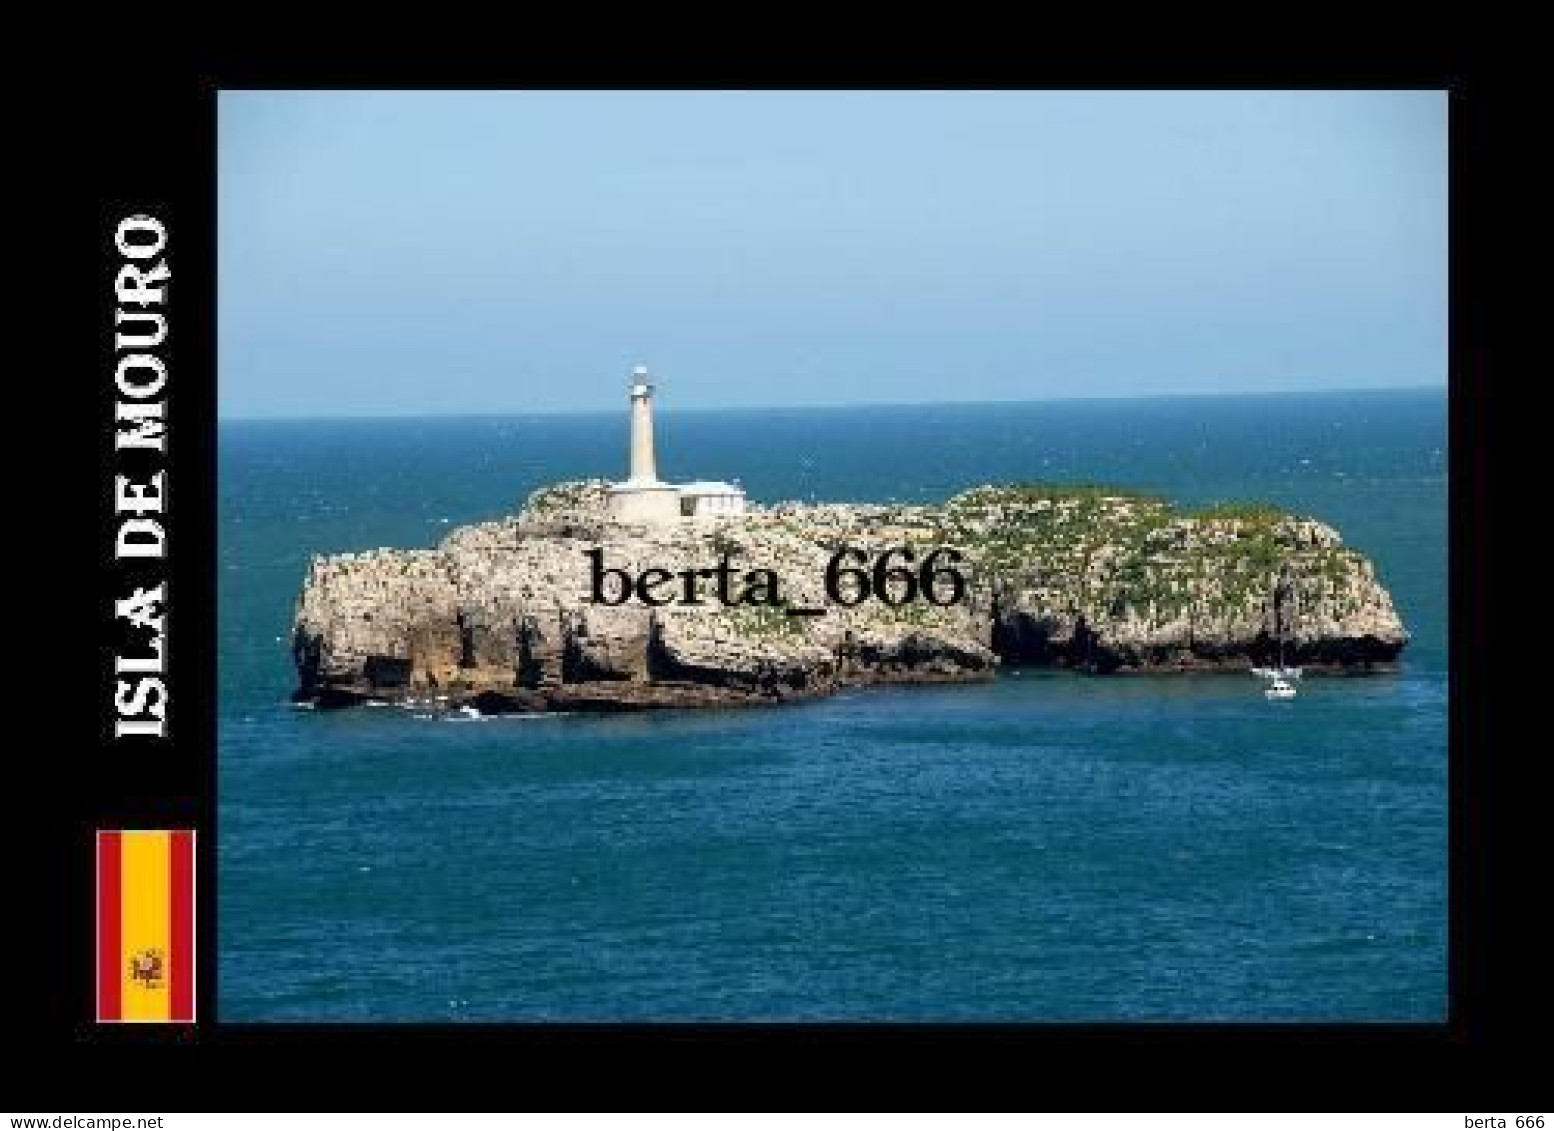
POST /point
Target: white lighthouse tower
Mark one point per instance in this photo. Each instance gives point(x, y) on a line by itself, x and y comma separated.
point(643, 497)
point(644, 463)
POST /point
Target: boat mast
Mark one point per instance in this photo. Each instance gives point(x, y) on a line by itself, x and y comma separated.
point(1284, 592)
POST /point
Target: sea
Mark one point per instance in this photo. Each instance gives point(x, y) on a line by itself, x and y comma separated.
point(1046, 847)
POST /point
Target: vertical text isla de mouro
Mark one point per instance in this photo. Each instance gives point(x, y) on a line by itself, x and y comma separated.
point(140, 331)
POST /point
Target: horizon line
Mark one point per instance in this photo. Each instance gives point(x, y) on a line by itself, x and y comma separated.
point(275, 418)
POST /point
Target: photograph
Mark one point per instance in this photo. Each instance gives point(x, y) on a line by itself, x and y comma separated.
point(815, 556)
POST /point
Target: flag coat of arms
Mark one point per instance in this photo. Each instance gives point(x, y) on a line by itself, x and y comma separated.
point(145, 925)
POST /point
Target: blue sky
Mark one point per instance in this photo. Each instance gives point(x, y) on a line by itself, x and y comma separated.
point(440, 252)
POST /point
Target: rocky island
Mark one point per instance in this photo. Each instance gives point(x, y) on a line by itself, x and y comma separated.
point(500, 615)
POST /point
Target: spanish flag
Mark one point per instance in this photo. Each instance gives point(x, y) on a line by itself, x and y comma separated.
point(145, 925)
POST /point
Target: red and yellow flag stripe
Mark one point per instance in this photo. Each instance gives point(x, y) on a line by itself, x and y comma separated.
point(145, 925)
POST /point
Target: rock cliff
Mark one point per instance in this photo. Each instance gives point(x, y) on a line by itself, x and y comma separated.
point(500, 617)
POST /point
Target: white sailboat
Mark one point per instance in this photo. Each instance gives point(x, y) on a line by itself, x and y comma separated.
point(1279, 688)
point(1279, 685)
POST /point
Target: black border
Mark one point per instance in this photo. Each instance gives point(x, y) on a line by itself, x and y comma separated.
point(148, 137)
